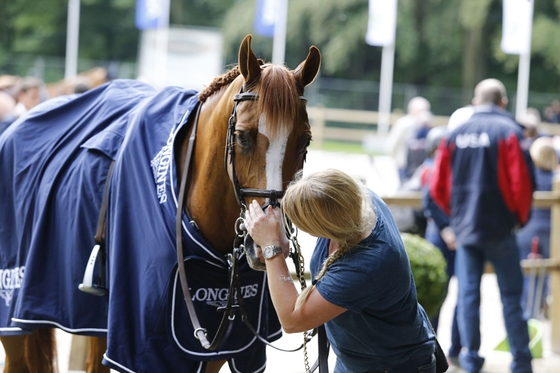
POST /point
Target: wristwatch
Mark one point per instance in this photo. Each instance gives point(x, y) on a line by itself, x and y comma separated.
point(271, 251)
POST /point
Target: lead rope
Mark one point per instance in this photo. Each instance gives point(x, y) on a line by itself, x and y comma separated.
point(322, 360)
point(299, 262)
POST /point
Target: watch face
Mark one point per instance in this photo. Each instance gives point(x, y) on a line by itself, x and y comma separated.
point(270, 251)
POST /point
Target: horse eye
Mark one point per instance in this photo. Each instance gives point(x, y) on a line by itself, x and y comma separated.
point(304, 144)
point(242, 139)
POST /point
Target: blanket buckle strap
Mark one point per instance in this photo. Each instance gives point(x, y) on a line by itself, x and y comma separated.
point(98, 251)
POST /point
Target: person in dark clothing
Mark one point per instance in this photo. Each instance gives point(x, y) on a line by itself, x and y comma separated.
point(536, 233)
point(439, 233)
point(483, 179)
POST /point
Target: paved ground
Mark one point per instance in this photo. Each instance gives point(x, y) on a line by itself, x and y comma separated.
point(492, 334)
point(380, 175)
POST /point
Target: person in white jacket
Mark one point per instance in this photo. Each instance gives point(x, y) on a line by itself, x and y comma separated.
point(404, 130)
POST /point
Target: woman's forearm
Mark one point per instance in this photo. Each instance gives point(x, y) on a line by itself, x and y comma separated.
point(283, 292)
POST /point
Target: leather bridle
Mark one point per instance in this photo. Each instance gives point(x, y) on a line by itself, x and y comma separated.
point(272, 195)
point(233, 303)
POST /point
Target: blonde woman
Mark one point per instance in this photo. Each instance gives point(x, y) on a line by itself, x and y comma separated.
point(363, 289)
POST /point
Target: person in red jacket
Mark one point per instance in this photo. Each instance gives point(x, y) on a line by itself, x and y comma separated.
point(483, 179)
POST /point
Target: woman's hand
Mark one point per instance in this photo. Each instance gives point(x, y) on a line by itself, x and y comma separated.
point(266, 227)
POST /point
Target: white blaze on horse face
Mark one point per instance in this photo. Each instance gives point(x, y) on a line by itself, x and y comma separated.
point(274, 155)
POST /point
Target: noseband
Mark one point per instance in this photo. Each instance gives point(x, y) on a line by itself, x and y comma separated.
point(272, 195)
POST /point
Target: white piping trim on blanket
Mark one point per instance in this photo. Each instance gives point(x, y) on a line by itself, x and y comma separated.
point(217, 353)
point(12, 329)
point(113, 362)
point(273, 335)
point(60, 326)
point(234, 368)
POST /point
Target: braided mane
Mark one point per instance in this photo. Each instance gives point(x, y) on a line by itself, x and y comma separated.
point(218, 83)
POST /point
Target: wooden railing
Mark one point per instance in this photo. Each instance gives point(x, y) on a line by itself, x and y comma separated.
point(319, 116)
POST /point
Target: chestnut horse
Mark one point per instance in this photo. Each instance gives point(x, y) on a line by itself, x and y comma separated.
point(241, 138)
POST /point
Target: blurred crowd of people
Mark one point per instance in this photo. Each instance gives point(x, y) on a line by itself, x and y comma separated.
point(551, 113)
point(18, 95)
point(477, 176)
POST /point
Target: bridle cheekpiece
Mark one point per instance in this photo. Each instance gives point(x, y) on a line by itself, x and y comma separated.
point(272, 195)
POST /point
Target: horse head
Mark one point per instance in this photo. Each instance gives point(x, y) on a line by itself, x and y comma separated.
point(268, 133)
point(270, 129)
point(272, 134)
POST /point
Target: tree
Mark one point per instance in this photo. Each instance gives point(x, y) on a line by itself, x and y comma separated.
point(442, 43)
point(438, 42)
point(107, 30)
point(199, 12)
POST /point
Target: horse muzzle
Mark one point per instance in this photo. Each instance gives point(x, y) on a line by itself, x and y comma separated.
point(272, 199)
point(251, 254)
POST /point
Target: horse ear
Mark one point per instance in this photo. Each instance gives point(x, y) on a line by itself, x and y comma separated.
point(307, 71)
point(248, 62)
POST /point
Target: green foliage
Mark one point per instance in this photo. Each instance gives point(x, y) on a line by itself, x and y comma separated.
point(107, 30)
point(200, 12)
point(543, 28)
point(238, 22)
point(438, 42)
point(428, 268)
point(473, 13)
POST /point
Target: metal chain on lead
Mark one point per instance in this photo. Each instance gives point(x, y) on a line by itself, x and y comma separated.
point(303, 284)
point(301, 277)
point(241, 231)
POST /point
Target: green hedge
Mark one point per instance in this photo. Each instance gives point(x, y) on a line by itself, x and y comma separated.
point(428, 268)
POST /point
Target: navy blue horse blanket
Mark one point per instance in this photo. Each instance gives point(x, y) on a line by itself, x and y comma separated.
point(53, 169)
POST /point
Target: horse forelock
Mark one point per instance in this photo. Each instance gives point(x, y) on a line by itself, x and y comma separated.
point(278, 99)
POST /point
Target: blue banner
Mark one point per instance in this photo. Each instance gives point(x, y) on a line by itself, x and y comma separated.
point(265, 17)
point(152, 14)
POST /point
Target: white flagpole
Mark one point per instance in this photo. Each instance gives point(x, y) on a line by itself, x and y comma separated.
point(386, 88)
point(386, 80)
point(524, 72)
point(72, 39)
point(280, 26)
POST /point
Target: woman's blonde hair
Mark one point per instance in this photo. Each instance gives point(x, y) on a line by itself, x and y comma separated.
point(329, 204)
point(543, 154)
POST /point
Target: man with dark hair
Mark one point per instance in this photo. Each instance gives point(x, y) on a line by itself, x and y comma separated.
point(483, 179)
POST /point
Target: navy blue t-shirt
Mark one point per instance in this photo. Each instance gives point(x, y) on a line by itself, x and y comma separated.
point(384, 325)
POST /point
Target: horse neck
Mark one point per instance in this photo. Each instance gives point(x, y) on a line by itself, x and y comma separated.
point(211, 199)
